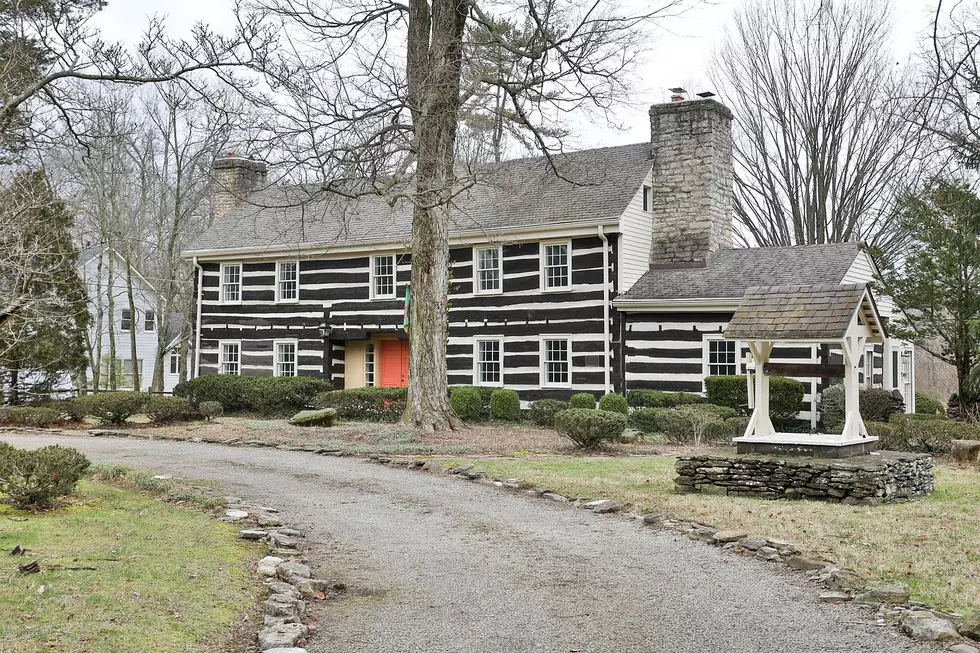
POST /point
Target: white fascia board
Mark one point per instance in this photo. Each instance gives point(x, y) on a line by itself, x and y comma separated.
point(562, 230)
point(672, 305)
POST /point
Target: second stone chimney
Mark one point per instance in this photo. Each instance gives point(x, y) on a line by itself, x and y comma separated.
point(234, 178)
point(692, 182)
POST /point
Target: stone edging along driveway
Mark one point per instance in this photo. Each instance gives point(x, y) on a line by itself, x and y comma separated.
point(290, 581)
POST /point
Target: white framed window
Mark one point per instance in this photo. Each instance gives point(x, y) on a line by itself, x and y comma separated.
point(174, 362)
point(556, 362)
point(126, 320)
point(231, 283)
point(149, 321)
point(285, 358)
point(487, 262)
point(229, 357)
point(489, 357)
point(721, 357)
point(647, 196)
point(287, 281)
point(127, 370)
point(383, 276)
point(369, 364)
point(556, 265)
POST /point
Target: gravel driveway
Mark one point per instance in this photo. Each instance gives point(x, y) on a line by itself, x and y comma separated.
point(438, 565)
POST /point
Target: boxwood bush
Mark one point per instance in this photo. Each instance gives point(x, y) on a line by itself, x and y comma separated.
point(165, 410)
point(543, 411)
point(34, 479)
point(785, 395)
point(210, 410)
point(876, 405)
point(466, 402)
point(582, 400)
point(926, 405)
point(505, 404)
point(695, 424)
point(270, 396)
point(648, 420)
point(660, 399)
point(39, 416)
point(372, 404)
point(614, 402)
point(112, 407)
point(588, 428)
point(920, 434)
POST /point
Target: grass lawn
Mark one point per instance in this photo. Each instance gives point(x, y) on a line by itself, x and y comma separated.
point(366, 438)
point(166, 578)
point(932, 544)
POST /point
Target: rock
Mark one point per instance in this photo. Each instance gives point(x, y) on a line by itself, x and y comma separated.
point(267, 566)
point(433, 466)
point(894, 594)
point(289, 532)
point(231, 500)
point(281, 541)
point(966, 451)
point(164, 477)
point(291, 649)
point(476, 473)
point(460, 469)
point(724, 537)
point(283, 605)
point(512, 483)
point(236, 515)
point(963, 648)
point(252, 534)
point(800, 563)
point(322, 417)
point(608, 507)
point(265, 519)
point(701, 533)
point(287, 570)
point(834, 597)
point(926, 626)
point(842, 580)
point(282, 636)
point(555, 497)
point(970, 627)
point(752, 543)
point(653, 519)
point(279, 587)
point(767, 553)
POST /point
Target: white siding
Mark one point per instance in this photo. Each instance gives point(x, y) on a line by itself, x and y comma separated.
point(636, 227)
point(862, 270)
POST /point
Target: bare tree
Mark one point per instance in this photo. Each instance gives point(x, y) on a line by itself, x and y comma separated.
point(821, 146)
point(372, 92)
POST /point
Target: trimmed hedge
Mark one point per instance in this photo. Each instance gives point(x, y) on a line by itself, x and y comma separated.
point(648, 420)
point(695, 424)
point(34, 479)
point(164, 410)
point(785, 395)
point(371, 404)
point(505, 404)
point(543, 411)
point(614, 402)
point(466, 403)
point(660, 399)
point(582, 400)
point(210, 409)
point(485, 392)
point(112, 407)
point(30, 416)
point(272, 396)
point(588, 428)
point(926, 405)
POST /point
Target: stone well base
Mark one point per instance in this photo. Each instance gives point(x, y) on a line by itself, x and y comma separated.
point(880, 477)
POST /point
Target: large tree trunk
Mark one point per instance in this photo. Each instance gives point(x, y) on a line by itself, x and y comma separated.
point(111, 288)
point(435, 44)
point(133, 320)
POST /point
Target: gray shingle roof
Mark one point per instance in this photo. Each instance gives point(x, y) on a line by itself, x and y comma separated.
point(732, 271)
point(512, 194)
point(796, 312)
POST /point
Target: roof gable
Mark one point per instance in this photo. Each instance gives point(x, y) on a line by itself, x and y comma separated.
point(594, 185)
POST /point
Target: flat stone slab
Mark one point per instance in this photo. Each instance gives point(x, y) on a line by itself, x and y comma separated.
point(323, 417)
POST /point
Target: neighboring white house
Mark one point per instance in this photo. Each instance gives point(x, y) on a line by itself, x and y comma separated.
point(145, 323)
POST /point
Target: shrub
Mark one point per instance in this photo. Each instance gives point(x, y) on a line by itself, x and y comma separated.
point(71, 409)
point(660, 399)
point(695, 424)
point(485, 392)
point(164, 410)
point(734, 427)
point(34, 479)
point(466, 402)
point(785, 395)
point(543, 411)
point(505, 405)
point(649, 420)
point(113, 407)
point(582, 400)
point(370, 404)
point(929, 435)
point(210, 409)
point(615, 403)
point(926, 405)
point(832, 408)
point(588, 427)
point(30, 416)
point(875, 404)
point(267, 395)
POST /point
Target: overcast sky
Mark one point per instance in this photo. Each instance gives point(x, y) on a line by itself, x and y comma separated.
point(679, 56)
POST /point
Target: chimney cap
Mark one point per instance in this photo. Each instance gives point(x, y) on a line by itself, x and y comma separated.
point(677, 89)
point(232, 160)
point(691, 105)
point(706, 94)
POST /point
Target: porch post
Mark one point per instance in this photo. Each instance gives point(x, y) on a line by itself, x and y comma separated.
point(853, 424)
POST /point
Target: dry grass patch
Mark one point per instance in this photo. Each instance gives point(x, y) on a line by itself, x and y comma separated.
point(933, 544)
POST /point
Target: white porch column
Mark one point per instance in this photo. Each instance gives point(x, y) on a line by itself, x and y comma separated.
point(854, 428)
point(760, 424)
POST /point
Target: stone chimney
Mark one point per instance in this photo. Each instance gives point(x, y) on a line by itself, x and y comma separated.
point(234, 178)
point(692, 182)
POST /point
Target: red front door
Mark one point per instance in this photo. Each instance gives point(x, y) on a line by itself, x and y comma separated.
point(394, 363)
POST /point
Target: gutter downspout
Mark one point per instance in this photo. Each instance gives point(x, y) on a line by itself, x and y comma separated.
point(197, 324)
point(605, 308)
